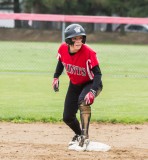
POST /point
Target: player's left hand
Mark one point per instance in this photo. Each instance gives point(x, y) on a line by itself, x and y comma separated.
point(90, 97)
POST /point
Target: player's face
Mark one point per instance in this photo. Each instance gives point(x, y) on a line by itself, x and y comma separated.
point(77, 43)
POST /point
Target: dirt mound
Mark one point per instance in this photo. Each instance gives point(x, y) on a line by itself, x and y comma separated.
point(56, 36)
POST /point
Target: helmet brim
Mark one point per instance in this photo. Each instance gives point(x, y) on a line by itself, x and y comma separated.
point(74, 35)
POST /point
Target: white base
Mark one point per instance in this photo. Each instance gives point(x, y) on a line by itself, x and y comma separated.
point(93, 146)
point(97, 146)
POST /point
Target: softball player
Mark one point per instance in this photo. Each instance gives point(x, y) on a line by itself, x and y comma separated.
point(82, 67)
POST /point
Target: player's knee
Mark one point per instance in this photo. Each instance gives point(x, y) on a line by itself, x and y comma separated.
point(84, 109)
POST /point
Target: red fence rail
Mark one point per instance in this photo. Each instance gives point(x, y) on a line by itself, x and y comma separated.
point(73, 18)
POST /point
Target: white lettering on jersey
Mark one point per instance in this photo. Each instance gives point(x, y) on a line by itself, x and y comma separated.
point(76, 70)
point(58, 56)
point(90, 74)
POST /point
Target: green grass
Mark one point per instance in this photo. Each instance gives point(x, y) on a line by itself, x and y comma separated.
point(26, 72)
point(41, 57)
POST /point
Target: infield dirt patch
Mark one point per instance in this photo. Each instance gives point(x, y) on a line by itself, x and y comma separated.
point(44, 141)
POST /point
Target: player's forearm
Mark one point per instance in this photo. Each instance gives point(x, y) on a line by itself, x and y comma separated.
point(97, 78)
point(59, 69)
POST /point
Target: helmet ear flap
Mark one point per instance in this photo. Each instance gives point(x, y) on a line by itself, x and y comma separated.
point(84, 39)
point(69, 41)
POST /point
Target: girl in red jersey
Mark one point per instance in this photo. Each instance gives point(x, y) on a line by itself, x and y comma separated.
point(82, 67)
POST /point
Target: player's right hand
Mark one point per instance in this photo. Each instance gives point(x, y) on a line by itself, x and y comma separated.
point(90, 97)
point(55, 84)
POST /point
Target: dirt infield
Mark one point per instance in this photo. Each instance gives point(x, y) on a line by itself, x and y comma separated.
point(40, 141)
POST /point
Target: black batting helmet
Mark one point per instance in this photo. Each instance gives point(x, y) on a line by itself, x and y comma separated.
point(74, 30)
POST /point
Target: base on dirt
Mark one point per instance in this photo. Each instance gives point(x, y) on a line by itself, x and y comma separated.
point(93, 146)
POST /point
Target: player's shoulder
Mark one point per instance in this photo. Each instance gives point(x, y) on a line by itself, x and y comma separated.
point(63, 45)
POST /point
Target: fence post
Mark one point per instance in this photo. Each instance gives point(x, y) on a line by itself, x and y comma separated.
point(63, 29)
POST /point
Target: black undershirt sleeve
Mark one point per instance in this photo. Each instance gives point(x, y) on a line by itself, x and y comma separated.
point(97, 78)
point(59, 69)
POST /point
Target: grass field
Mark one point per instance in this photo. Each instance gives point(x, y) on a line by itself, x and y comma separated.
point(26, 72)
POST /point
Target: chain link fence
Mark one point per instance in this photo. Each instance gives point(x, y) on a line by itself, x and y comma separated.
point(124, 68)
point(40, 57)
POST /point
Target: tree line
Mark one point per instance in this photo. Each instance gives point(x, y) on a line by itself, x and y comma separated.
point(123, 8)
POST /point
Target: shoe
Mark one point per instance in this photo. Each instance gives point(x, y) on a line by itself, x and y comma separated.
point(75, 140)
point(83, 143)
point(74, 143)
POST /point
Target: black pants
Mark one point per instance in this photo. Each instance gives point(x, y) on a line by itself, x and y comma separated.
point(74, 96)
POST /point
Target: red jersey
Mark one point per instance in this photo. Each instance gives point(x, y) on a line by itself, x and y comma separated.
point(79, 65)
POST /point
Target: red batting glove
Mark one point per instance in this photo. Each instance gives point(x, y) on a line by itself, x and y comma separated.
point(89, 98)
point(55, 84)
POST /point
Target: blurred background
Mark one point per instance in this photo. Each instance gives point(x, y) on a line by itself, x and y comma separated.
point(28, 51)
point(115, 8)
